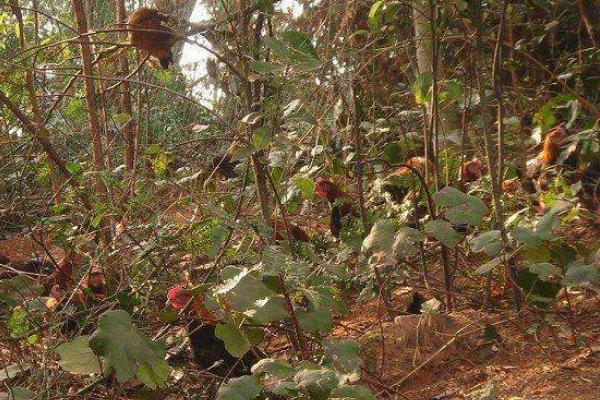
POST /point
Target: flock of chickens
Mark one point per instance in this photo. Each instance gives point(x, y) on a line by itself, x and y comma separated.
point(150, 33)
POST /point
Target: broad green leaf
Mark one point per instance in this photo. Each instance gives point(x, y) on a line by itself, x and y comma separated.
point(526, 236)
point(342, 355)
point(315, 321)
point(490, 242)
point(18, 324)
point(374, 17)
point(21, 393)
point(261, 138)
point(462, 208)
point(443, 232)
point(420, 88)
point(293, 46)
point(306, 186)
point(300, 48)
point(243, 290)
point(128, 352)
point(544, 270)
point(77, 357)
point(546, 224)
point(242, 388)
point(489, 266)
point(381, 237)
point(268, 310)
point(242, 152)
point(236, 343)
point(273, 367)
point(352, 392)
point(582, 275)
point(317, 383)
point(263, 67)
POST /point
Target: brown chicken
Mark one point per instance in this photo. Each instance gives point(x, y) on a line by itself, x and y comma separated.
point(472, 170)
point(149, 32)
point(341, 206)
point(296, 233)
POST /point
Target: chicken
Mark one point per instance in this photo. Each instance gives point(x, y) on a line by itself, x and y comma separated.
point(208, 350)
point(296, 233)
point(341, 206)
point(149, 32)
point(472, 170)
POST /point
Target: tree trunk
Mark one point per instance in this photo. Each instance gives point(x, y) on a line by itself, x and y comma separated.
point(125, 99)
point(90, 98)
point(422, 15)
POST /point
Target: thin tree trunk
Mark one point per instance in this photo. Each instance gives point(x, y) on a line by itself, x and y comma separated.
point(35, 106)
point(90, 98)
point(421, 13)
point(125, 97)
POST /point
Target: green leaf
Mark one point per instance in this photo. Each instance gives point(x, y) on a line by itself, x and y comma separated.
point(526, 236)
point(406, 240)
point(374, 17)
point(317, 383)
point(300, 48)
point(128, 352)
point(268, 310)
point(462, 208)
point(242, 388)
point(243, 290)
point(352, 392)
point(546, 224)
point(581, 275)
point(21, 393)
point(306, 186)
point(342, 355)
point(489, 266)
point(77, 357)
point(261, 138)
point(236, 343)
point(294, 46)
point(263, 67)
point(315, 321)
point(544, 270)
point(18, 324)
point(381, 237)
point(420, 88)
point(443, 232)
point(490, 242)
point(273, 367)
point(242, 152)
point(121, 118)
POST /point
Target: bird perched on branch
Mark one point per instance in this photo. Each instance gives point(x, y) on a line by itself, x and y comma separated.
point(149, 31)
point(208, 350)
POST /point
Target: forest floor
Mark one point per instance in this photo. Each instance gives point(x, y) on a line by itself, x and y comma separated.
point(531, 356)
